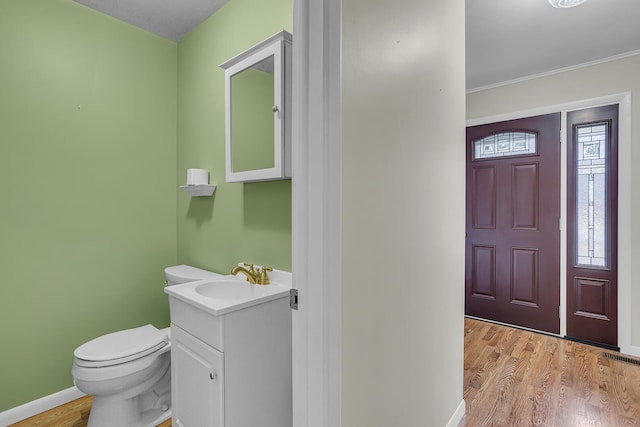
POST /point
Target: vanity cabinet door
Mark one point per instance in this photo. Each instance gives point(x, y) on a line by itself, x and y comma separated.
point(197, 382)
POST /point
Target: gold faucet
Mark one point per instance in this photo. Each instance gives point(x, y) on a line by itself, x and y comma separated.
point(257, 277)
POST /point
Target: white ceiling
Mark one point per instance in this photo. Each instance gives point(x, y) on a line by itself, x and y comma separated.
point(171, 19)
point(506, 39)
point(511, 39)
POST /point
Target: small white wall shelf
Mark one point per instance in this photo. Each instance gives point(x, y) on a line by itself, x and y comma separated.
point(199, 190)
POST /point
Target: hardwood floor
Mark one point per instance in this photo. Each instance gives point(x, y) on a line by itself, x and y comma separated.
point(72, 414)
point(514, 377)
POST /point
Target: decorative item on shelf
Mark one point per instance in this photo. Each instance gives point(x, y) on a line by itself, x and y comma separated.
point(198, 183)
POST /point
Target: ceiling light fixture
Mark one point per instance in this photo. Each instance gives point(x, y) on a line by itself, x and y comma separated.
point(564, 4)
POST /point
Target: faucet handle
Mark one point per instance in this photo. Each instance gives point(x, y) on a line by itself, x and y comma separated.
point(264, 277)
point(250, 267)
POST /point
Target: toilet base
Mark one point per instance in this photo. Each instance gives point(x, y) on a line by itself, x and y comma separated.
point(127, 414)
point(135, 407)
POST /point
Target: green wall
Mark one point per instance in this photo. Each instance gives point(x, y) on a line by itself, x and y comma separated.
point(87, 185)
point(241, 222)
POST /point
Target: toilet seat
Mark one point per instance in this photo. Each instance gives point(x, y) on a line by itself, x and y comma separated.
point(121, 347)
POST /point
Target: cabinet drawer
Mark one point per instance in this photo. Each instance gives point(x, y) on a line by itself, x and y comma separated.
point(203, 325)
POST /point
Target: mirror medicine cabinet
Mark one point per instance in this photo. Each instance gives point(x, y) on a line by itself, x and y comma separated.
point(258, 112)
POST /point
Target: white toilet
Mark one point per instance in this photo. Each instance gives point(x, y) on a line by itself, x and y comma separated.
point(129, 372)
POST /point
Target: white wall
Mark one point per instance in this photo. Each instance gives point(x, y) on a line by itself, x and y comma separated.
point(403, 212)
point(584, 83)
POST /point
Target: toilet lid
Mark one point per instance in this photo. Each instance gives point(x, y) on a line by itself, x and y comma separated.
point(136, 342)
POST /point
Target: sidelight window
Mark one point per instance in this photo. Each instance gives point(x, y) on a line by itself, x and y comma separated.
point(591, 194)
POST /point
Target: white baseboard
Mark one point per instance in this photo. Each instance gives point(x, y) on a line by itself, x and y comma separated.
point(631, 350)
point(19, 413)
point(457, 416)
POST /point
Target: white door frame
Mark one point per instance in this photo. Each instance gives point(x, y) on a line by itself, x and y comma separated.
point(624, 203)
point(317, 212)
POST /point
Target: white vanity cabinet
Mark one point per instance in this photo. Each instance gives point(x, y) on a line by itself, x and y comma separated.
point(233, 369)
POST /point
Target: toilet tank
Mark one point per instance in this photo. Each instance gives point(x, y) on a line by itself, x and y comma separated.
point(177, 274)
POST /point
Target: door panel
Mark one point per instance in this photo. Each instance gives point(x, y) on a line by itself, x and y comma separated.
point(524, 187)
point(524, 277)
point(592, 298)
point(484, 197)
point(513, 212)
point(592, 291)
point(483, 281)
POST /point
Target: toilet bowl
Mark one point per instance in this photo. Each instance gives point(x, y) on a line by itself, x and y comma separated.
point(129, 372)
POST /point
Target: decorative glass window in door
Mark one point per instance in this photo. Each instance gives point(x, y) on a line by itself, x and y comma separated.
point(591, 194)
point(514, 143)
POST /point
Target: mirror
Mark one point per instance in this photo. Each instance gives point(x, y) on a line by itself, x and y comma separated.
point(257, 92)
point(252, 123)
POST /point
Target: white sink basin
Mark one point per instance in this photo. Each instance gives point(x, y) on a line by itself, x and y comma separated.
point(233, 290)
point(225, 294)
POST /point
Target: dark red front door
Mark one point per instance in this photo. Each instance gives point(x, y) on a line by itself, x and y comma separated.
point(513, 215)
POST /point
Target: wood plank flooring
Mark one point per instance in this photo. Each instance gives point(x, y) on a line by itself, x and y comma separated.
point(72, 414)
point(512, 378)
